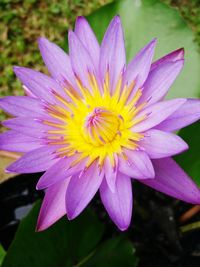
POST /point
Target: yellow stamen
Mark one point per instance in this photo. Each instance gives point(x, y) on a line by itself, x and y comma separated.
point(97, 125)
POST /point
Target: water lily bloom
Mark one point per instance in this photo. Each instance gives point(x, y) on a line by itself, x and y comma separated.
point(96, 123)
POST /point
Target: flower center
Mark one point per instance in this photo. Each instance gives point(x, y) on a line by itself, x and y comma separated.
point(101, 126)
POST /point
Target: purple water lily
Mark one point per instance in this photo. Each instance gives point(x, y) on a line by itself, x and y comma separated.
point(97, 123)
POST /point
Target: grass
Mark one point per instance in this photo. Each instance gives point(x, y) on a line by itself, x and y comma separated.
point(22, 22)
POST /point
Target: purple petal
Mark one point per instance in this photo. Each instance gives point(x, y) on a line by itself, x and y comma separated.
point(138, 165)
point(28, 126)
point(159, 81)
point(14, 141)
point(81, 190)
point(39, 84)
point(187, 114)
point(138, 69)
point(87, 37)
point(28, 92)
point(57, 62)
point(54, 174)
point(110, 173)
point(119, 203)
point(81, 61)
point(53, 205)
point(159, 144)
point(156, 113)
point(173, 181)
point(37, 160)
point(22, 106)
point(59, 171)
point(112, 52)
point(171, 57)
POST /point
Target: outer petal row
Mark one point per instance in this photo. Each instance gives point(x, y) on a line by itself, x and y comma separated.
point(112, 53)
point(17, 142)
point(28, 126)
point(79, 190)
point(119, 203)
point(138, 69)
point(58, 172)
point(37, 160)
point(39, 84)
point(23, 106)
point(159, 144)
point(173, 181)
point(186, 114)
point(159, 81)
point(156, 113)
point(81, 60)
point(57, 62)
point(171, 57)
point(53, 205)
point(137, 165)
point(88, 38)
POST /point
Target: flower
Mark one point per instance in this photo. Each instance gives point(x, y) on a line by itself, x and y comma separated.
point(96, 122)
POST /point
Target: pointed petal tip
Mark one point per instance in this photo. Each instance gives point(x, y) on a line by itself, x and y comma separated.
point(39, 186)
point(40, 226)
point(116, 21)
point(73, 213)
point(16, 69)
point(153, 43)
point(38, 229)
point(80, 19)
point(181, 52)
point(123, 228)
point(71, 216)
point(185, 147)
point(7, 170)
point(42, 41)
point(117, 18)
point(154, 40)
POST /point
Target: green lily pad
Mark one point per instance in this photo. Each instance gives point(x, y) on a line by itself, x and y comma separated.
point(116, 252)
point(2, 254)
point(66, 244)
point(144, 20)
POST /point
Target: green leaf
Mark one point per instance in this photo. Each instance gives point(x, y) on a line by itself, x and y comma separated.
point(190, 160)
point(116, 252)
point(144, 20)
point(66, 244)
point(2, 254)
